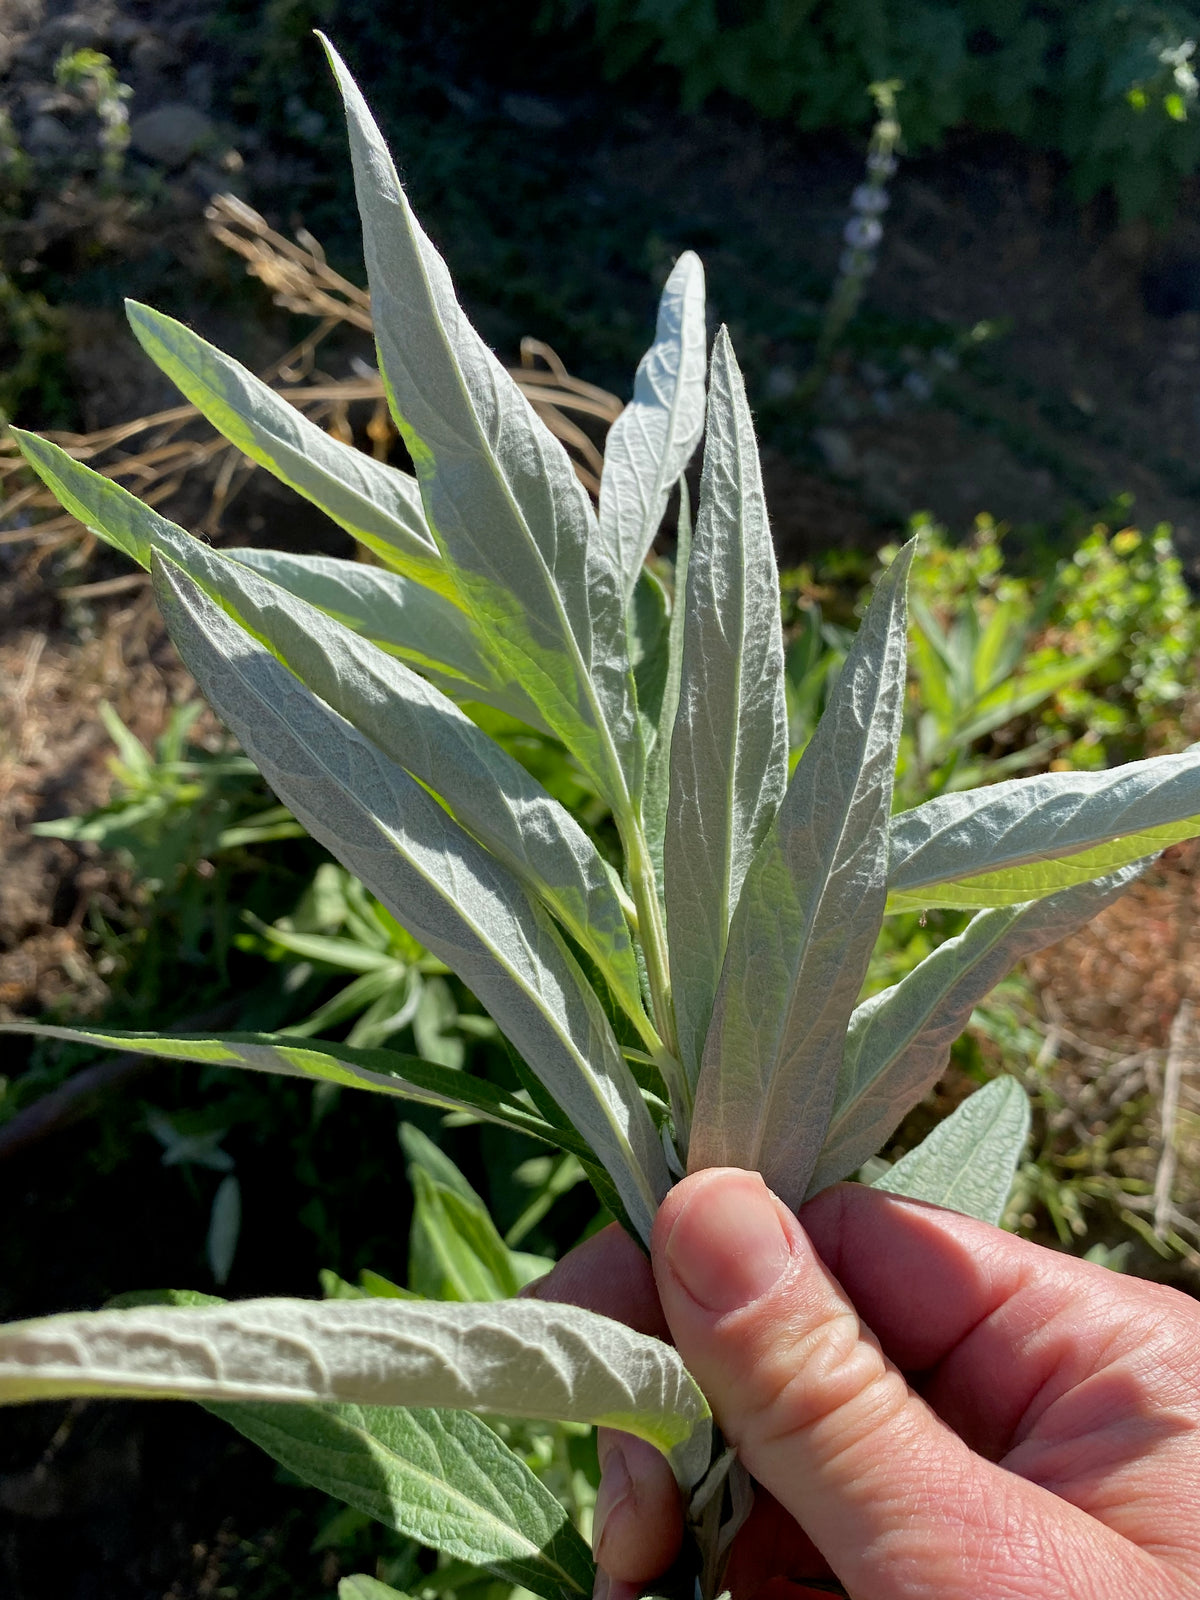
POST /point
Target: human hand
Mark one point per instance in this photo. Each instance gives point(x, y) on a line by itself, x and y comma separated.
point(1004, 1423)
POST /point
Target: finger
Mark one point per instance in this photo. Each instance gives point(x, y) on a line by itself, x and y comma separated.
point(893, 1499)
point(637, 1524)
point(954, 1298)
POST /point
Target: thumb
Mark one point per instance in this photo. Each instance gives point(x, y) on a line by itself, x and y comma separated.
point(893, 1499)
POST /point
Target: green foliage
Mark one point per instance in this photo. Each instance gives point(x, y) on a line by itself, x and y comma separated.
point(1108, 85)
point(94, 74)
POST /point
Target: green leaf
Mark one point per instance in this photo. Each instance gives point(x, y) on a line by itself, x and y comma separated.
point(359, 1586)
point(455, 1252)
point(652, 441)
point(501, 497)
point(378, 1071)
point(729, 745)
point(525, 1358)
point(806, 923)
point(443, 1477)
point(1029, 837)
point(899, 1040)
point(1023, 693)
point(968, 1162)
point(419, 626)
point(461, 903)
point(489, 792)
point(375, 503)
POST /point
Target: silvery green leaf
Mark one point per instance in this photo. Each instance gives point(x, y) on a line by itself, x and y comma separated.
point(378, 1071)
point(968, 1162)
point(489, 792)
point(463, 904)
point(375, 503)
point(527, 1358)
point(443, 1477)
point(417, 624)
point(649, 633)
point(652, 441)
point(806, 922)
point(1028, 837)
point(656, 793)
point(501, 497)
point(729, 744)
point(898, 1041)
point(101, 505)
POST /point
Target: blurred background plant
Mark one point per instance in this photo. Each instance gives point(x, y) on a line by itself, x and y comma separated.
point(1109, 86)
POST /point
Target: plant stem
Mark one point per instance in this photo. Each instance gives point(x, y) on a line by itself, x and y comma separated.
point(654, 948)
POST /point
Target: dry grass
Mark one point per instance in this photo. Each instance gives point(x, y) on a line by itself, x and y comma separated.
point(153, 455)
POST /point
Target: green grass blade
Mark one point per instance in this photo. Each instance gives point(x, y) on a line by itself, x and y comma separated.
point(729, 744)
point(460, 902)
point(653, 439)
point(899, 1040)
point(501, 497)
point(525, 1358)
point(968, 1162)
point(1029, 837)
point(806, 923)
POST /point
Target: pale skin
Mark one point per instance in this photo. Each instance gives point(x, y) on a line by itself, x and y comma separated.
point(934, 1409)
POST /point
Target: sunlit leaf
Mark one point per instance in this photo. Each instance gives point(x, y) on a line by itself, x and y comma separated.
point(968, 1162)
point(652, 441)
point(806, 922)
point(525, 1358)
point(898, 1042)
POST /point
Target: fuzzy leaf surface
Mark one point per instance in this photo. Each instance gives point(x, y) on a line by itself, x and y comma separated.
point(377, 504)
point(728, 766)
point(463, 904)
point(968, 1162)
point(500, 494)
point(525, 1358)
point(656, 794)
point(378, 1071)
point(417, 727)
point(898, 1042)
point(1028, 837)
point(653, 439)
point(805, 924)
point(443, 1477)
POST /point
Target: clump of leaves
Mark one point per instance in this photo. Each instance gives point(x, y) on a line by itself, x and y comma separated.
point(697, 1003)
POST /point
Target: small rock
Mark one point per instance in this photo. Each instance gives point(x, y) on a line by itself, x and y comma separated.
point(74, 32)
point(125, 32)
point(838, 451)
point(170, 134)
point(531, 111)
point(48, 136)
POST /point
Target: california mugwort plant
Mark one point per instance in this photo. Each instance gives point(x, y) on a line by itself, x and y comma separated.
point(695, 1004)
